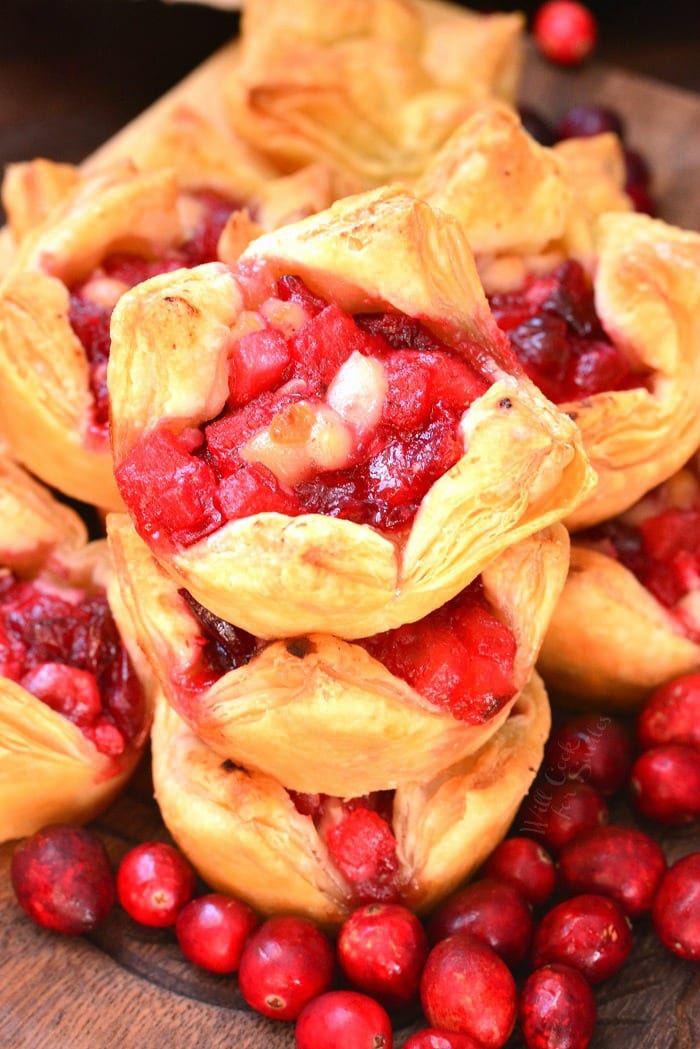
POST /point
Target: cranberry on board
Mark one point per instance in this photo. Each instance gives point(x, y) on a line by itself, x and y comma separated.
point(671, 714)
point(493, 911)
point(212, 930)
point(466, 987)
point(63, 879)
point(556, 814)
point(381, 949)
point(665, 783)
point(565, 31)
point(676, 910)
point(341, 1019)
point(621, 862)
point(589, 932)
point(432, 1038)
point(285, 963)
point(584, 120)
point(154, 882)
point(526, 865)
point(557, 1009)
point(593, 748)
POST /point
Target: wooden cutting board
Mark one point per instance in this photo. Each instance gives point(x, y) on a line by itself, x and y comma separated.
point(128, 987)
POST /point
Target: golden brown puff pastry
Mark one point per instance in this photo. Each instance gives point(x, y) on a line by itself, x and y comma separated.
point(318, 713)
point(244, 834)
point(370, 87)
point(50, 768)
point(523, 212)
point(617, 634)
point(172, 337)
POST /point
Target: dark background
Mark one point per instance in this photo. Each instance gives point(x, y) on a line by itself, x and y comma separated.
point(72, 72)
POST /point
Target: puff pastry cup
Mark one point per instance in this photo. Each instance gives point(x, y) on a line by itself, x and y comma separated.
point(370, 87)
point(277, 573)
point(56, 767)
point(322, 714)
point(243, 832)
point(74, 229)
point(628, 619)
point(524, 211)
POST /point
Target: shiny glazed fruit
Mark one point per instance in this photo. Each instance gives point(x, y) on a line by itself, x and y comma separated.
point(671, 714)
point(154, 882)
point(381, 949)
point(212, 931)
point(524, 864)
point(467, 988)
point(665, 784)
point(63, 879)
point(343, 1019)
point(589, 932)
point(285, 963)
point(557, 1009)
point(431, 1038)
point(676, 910)
point(565, 31)
point(493, 911)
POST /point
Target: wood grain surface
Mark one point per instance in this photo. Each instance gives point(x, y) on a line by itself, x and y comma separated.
point(127, 987)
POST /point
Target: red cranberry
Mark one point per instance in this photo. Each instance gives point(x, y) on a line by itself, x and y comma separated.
point(526, 865)
point(593, 748)
point(557, 1009)
point(63, 880)
point(381, 950)
point(494, 911)
point(565, 31)
point(676, 910)
point(467, 988)
point(154, 882)
point(621, 862)
point(431, 1038)
point(665, 783)
point(343, 1018)
point(536, 126)
point(285, 963)
point(589, 932)
point(671, 714)
point(212, 931)
point(583, 121)
point(555, 815)
point(641, 198)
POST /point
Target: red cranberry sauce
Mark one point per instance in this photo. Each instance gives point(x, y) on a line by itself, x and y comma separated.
point(556, 335)
point(352, 417)
point(360, 841)
point(63, 646)
point(92, 301)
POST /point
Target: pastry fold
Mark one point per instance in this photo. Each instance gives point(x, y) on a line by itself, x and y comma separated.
point(49, 770)
point(522, 468)
point(523, 209)
point(320, 714)
point(244, 835)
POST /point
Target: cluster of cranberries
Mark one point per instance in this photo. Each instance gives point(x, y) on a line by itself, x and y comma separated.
point(549, 918)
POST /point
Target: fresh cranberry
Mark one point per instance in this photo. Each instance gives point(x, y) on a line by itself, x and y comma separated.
point(621, 862)
point(582, 121)
point(63, 879)
point(565, 31)
point(593, 748)
point(493, 911)
point(487, 1012)
point(665, 783)
point(589, 932)
point(557, 1009)
point(381, 950)
point(641, 198)
point(212, 931)
point(636, 168)
point(555, 815)
point(671, 714)
point(285, 963)
point(339, 1019)
point(536, 126)
point(432, 1038)
point(526, 865)
point(676, 911)
point(154, 882)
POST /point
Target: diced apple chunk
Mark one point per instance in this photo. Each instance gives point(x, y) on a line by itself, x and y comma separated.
point(287, 317)
point(303, 439)
point(358, 391)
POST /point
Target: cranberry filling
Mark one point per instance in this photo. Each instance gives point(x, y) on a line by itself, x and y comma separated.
point(64, 648)
point(556, 335)
point(92, 301)
point(352, 417)
point(360, 841)
point(663, 552)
